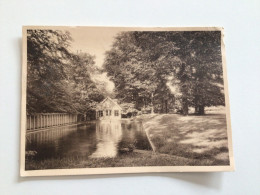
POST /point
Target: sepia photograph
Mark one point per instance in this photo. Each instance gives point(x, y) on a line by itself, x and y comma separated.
point(104, 100)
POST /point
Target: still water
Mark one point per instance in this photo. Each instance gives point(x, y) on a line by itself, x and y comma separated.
point(95, 140)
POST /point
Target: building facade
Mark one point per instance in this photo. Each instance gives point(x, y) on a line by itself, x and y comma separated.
point(108, 109)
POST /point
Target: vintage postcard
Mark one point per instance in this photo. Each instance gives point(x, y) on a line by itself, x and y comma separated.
point(105, 100)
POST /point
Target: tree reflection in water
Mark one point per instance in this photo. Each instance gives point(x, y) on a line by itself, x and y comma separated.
point(102, 139)
point(108, 135)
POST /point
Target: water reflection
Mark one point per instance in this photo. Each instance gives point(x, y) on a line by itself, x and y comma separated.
point(108, 135)
point(96, 140)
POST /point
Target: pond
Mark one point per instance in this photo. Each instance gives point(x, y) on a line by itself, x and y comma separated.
point(100, 139)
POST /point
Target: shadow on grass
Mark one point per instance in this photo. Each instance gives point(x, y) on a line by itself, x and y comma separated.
point(192, 137)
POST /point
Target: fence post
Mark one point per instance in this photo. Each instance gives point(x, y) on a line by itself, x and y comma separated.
point(36, 121)
point(48, 120)
point(40, 124)
point(41, 121)
point(27, 121)
point(33, 121)
point(45, 121)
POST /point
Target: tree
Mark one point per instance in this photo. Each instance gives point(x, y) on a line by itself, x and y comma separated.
point(85, 92)
point(57, 79)
point(133, 67)
point(143, 64)
point(47, 55)
point(200, 71)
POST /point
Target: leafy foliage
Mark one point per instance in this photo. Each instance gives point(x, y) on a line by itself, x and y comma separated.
point(57, 79)
point(162, 68)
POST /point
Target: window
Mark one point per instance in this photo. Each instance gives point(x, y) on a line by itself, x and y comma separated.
point(116, 113)
point(107, 112)
point(110, 112)
point(100, 113)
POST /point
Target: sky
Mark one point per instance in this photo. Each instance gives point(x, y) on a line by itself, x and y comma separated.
point(95, 41)
point(98, 40)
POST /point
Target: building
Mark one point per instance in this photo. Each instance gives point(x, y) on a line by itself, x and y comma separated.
point(108, 109)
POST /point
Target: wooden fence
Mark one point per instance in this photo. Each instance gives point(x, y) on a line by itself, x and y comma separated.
point(46, 120)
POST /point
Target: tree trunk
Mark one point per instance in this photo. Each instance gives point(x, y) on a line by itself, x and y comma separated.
point(152, 110)
point(166, 106)
point(185, 108)
point(196, 102)
point(201, 110)
point(184, 89)
point(162, 106)
point(196, 109)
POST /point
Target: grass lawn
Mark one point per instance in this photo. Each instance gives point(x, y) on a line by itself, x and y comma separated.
point(191, 137)
point(137, 158)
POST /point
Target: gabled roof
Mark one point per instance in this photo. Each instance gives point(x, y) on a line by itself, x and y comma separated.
point(113, 101)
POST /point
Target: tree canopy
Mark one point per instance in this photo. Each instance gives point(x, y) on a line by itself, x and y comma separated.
point(167, 70)
point(57, 79)
point(161, 70)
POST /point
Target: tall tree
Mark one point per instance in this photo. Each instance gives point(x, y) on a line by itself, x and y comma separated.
point(47, 55)
point(143, 64)
point(85, 91)
point(57, 79)
point(135, 68)
point(200, 70)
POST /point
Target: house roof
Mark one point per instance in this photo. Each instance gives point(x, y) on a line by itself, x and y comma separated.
point(114, 101)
